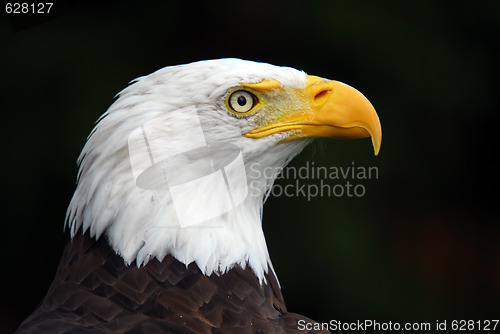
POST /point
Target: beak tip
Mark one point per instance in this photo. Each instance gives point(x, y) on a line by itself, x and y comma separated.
point(376, 142)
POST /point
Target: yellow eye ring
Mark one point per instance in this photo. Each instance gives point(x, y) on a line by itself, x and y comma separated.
point(242, 102)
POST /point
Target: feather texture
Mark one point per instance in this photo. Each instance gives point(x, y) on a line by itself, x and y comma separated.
point(95, 291)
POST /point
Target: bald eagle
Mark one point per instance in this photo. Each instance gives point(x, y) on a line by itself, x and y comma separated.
point(166, 219)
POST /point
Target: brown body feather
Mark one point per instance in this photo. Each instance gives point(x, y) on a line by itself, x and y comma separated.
point(95, 291)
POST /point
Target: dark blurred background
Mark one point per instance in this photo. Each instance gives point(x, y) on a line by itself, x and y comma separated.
point(423, 244)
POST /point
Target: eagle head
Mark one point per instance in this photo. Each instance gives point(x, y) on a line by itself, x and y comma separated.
point(176, 164)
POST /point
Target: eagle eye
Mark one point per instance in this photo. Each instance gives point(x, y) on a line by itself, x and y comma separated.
point(241, 101)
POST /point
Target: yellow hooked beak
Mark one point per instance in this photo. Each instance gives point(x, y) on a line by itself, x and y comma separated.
point(336, 111)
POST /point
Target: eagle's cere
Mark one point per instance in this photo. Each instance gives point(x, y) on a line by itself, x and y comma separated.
point(165, 236)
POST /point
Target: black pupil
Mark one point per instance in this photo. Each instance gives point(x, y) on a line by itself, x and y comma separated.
point(242, 100)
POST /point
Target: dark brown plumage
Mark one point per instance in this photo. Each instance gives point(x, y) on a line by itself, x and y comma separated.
point(95, 291)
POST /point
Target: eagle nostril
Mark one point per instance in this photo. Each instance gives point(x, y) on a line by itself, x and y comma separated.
point(322, 96)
